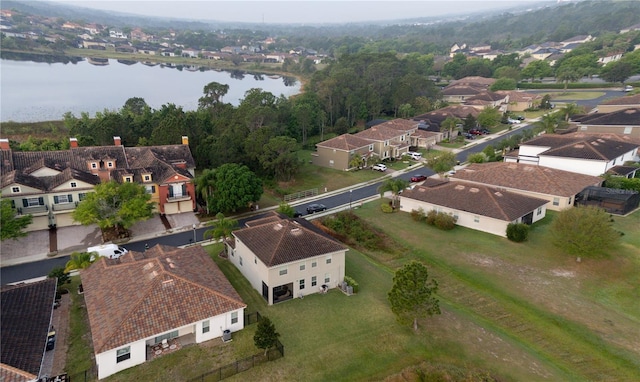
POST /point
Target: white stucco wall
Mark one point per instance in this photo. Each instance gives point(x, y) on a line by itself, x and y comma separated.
point(255, 271)
point(107, 361)
point(581, 166)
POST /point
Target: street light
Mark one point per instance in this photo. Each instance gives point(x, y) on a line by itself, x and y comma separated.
point(350, 198)
point(194, 234)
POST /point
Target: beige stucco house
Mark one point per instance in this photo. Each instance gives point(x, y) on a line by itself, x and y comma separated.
point(558, 187)
point(624, 121)
point(474, 206)
point(339, 151)
point(520, 101)
point(286, 258)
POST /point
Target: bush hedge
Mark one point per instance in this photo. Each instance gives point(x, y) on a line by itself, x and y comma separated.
point(517, 232)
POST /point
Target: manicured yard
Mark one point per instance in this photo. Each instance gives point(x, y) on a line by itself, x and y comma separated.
point(519, 312)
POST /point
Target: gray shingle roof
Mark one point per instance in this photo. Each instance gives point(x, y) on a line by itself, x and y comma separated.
point(581, 146)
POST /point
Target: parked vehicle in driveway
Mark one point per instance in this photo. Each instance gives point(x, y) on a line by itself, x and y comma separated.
point(512, 121)
point(485, 131)
point(469, 136)
point(414, 155)
point(316, 207)
point(418, 178)
point(379, 167)
point(475, 132)
point(51, 339)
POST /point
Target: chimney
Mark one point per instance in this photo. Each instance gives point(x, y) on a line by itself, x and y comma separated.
point(73, 142)
point(4, 144)
point(117, 141)
point(185, 140)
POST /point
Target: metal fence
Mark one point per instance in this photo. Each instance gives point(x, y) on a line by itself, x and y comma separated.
point(241, 365)
point(300, 195)
point(251, 318)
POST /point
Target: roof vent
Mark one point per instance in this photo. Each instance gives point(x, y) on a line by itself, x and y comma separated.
point(498, 193)
point(148, 266)
point(296, 232)
point(169, 260)
point(579, 146)
point(528, 168)
point(459, 187)
point(277, 227)
point(152, 275)
point(172, 265)
point(474, 190)
point(168, 283)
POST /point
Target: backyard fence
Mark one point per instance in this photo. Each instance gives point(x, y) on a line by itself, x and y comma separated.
point(251, 318)
point(300, 195)
point(242, 365)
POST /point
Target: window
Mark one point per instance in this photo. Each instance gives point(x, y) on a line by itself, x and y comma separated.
point(32, 202)
point(123, 354)
point(147, 178)
point(302, 267)
point(314, 264)
point(476, 219)
point(539, 211)
point(331, 162)
point(314, 281)
point(15, 190)
point(556, 201)
point(240, 260)
point(283, 271)
point(328, 260)
point(327, 278)
point(255, 260)
point(73, 184)
point(386, 143)
point(234, 317)
point(82, 196)
point(150, 189)
point(109, 164)
point(167, 336)
point(205, 327)
point(569, 200)
point(62, 199)
point(627, 130)
point(370, 147)
point(94, 165)
point(301, 284)
point(127, 179)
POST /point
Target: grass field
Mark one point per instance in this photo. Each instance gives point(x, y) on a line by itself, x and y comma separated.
point(516, 312)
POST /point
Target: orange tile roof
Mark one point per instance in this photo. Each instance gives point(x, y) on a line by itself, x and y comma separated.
point(144, 294)
point(346, 142)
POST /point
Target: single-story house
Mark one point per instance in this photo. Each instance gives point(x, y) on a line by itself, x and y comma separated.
point(621, 121)
point(142, 300)
point(488, 99)
point(286, 258)
point(576, 152)
point(474, 206)
point(620, 103)
point(520, 101)
point(558, 187)
point(27, 311)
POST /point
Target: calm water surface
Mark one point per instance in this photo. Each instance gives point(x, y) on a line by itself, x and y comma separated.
point(34, 91)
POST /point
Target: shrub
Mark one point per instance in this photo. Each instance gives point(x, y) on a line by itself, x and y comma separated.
point(386, 208)
point(517, 232)
point(418, 215)
point(444, 221)
point(431, 217)
point(352, 283)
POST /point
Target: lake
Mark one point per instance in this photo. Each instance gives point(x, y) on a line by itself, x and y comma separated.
point(37, 91)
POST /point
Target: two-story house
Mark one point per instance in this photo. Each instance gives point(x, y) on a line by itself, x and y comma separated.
point(49, 184)
point(286, 258)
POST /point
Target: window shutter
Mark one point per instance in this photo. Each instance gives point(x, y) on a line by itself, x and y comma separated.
point(41, 201)
point(170, 191)
point(55, 199)
point(153, 189)
point(70, 198)
point(184, 189)
point(25, 203)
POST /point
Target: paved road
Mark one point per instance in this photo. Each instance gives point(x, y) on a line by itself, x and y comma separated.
point(588, 104)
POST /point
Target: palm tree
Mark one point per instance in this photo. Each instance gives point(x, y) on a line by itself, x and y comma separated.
point(395, 186)
point(449, 124)
point(571, 109)
point(548, 123)
point(79, 260)
point(222, 227)
point(205, 186)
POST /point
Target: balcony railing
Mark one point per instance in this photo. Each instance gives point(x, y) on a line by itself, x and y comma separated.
point(64, 206)
point(179, 198)
point(33, 210)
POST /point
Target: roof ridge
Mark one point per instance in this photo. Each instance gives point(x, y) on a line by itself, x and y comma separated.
point(197, 285)
point(492, 195)
point(137, 303)
point(275, 248)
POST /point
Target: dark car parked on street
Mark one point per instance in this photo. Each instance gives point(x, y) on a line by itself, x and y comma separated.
point(312, 208)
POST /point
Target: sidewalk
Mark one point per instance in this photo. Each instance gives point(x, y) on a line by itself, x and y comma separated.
point(35, 246)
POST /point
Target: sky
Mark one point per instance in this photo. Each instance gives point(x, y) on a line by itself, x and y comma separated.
point(295, 12)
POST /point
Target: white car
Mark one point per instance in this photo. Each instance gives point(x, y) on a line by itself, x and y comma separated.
point(414, 155)
point(512, 121)
point(379, 167)
point(628, 88)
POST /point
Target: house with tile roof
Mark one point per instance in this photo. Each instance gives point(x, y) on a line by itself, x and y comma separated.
point(621, 121)
point(558, 187)
point(386, 140)
point(475, 206)
point(287, 258)
point(488, 99)
point(459, 93)
point(27, 311)
point(433, 119)
point(520, 101)
point(627, 102)
point(166, 293)
point(581, 153)
point(50, 184)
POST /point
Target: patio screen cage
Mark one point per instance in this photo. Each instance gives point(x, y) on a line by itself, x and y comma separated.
point(612, 200)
